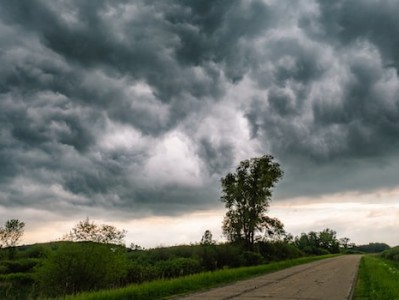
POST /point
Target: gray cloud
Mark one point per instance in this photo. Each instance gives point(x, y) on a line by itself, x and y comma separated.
point(144, 105)
point(329, 104)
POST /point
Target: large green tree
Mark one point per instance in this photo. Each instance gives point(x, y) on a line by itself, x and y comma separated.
point(246, 194)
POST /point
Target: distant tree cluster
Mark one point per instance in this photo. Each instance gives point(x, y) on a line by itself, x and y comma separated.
point(89, 231)
point(372, 247)
point(322, 242)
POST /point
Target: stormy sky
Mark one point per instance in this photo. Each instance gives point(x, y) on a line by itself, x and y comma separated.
point(131, 111)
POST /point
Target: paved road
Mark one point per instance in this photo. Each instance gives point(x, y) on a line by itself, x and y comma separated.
point(331, 278)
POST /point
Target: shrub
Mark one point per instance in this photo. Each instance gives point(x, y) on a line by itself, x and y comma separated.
point(77, 267)
point(20, 279)
point(178, 267)
point(228, 255)
point(249, 258)
point(139, 272)
point(278, 250)
point(37, 251)
point(208, 257)
point(17, 286)
point(18, 266)
point(392, 254)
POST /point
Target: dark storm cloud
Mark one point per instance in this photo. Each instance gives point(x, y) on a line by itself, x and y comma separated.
point(330, 110)
point(371, 20)
point(146, 44)
point(69, 69)
point(218, 157)
point(98, 98)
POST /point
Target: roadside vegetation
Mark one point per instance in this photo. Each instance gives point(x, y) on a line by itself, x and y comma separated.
point(160, 289)
point(378, 276)
point(63, 268)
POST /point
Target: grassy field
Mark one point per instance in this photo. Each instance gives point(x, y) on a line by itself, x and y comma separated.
point(162, 289)
point(378, 279)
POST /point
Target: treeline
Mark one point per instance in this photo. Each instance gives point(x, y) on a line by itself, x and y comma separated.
point(94, 257)
point(371, 247)
point(61, 268)
point(318, 243)
point(189, 259)
point(68, 267)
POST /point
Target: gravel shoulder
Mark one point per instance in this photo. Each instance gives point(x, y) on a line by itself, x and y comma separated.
point(332, 278)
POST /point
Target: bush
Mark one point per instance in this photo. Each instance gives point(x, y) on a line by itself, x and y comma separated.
point(249, 258)
point(20, 279)
point(138, 273)
point(178, 267)
point(37, 251)
point(228, 255)
point(17, 286)
point(85, 266)
point(18, 266)
point(392, 254)
point(276, 250)
point(208, 257)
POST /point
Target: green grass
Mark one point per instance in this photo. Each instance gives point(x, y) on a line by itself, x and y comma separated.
point(162, 289)
point(378, 279)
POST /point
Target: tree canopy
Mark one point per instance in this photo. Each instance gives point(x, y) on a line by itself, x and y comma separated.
point(246, 194)
point(207, 238)
point(89, 231)
point(317, 243)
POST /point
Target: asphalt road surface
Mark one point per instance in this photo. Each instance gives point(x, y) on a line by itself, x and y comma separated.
point(332, 278)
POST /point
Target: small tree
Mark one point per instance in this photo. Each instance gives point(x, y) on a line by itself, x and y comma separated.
point(89, 231)
point(206, 239)
point(328, 240)
point(247, 195)
point(344, 242)
point(11, 233)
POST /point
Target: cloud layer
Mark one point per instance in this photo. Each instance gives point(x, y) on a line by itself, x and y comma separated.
point(141, 106)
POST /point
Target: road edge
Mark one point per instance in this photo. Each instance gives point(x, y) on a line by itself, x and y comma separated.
point(354, 282)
